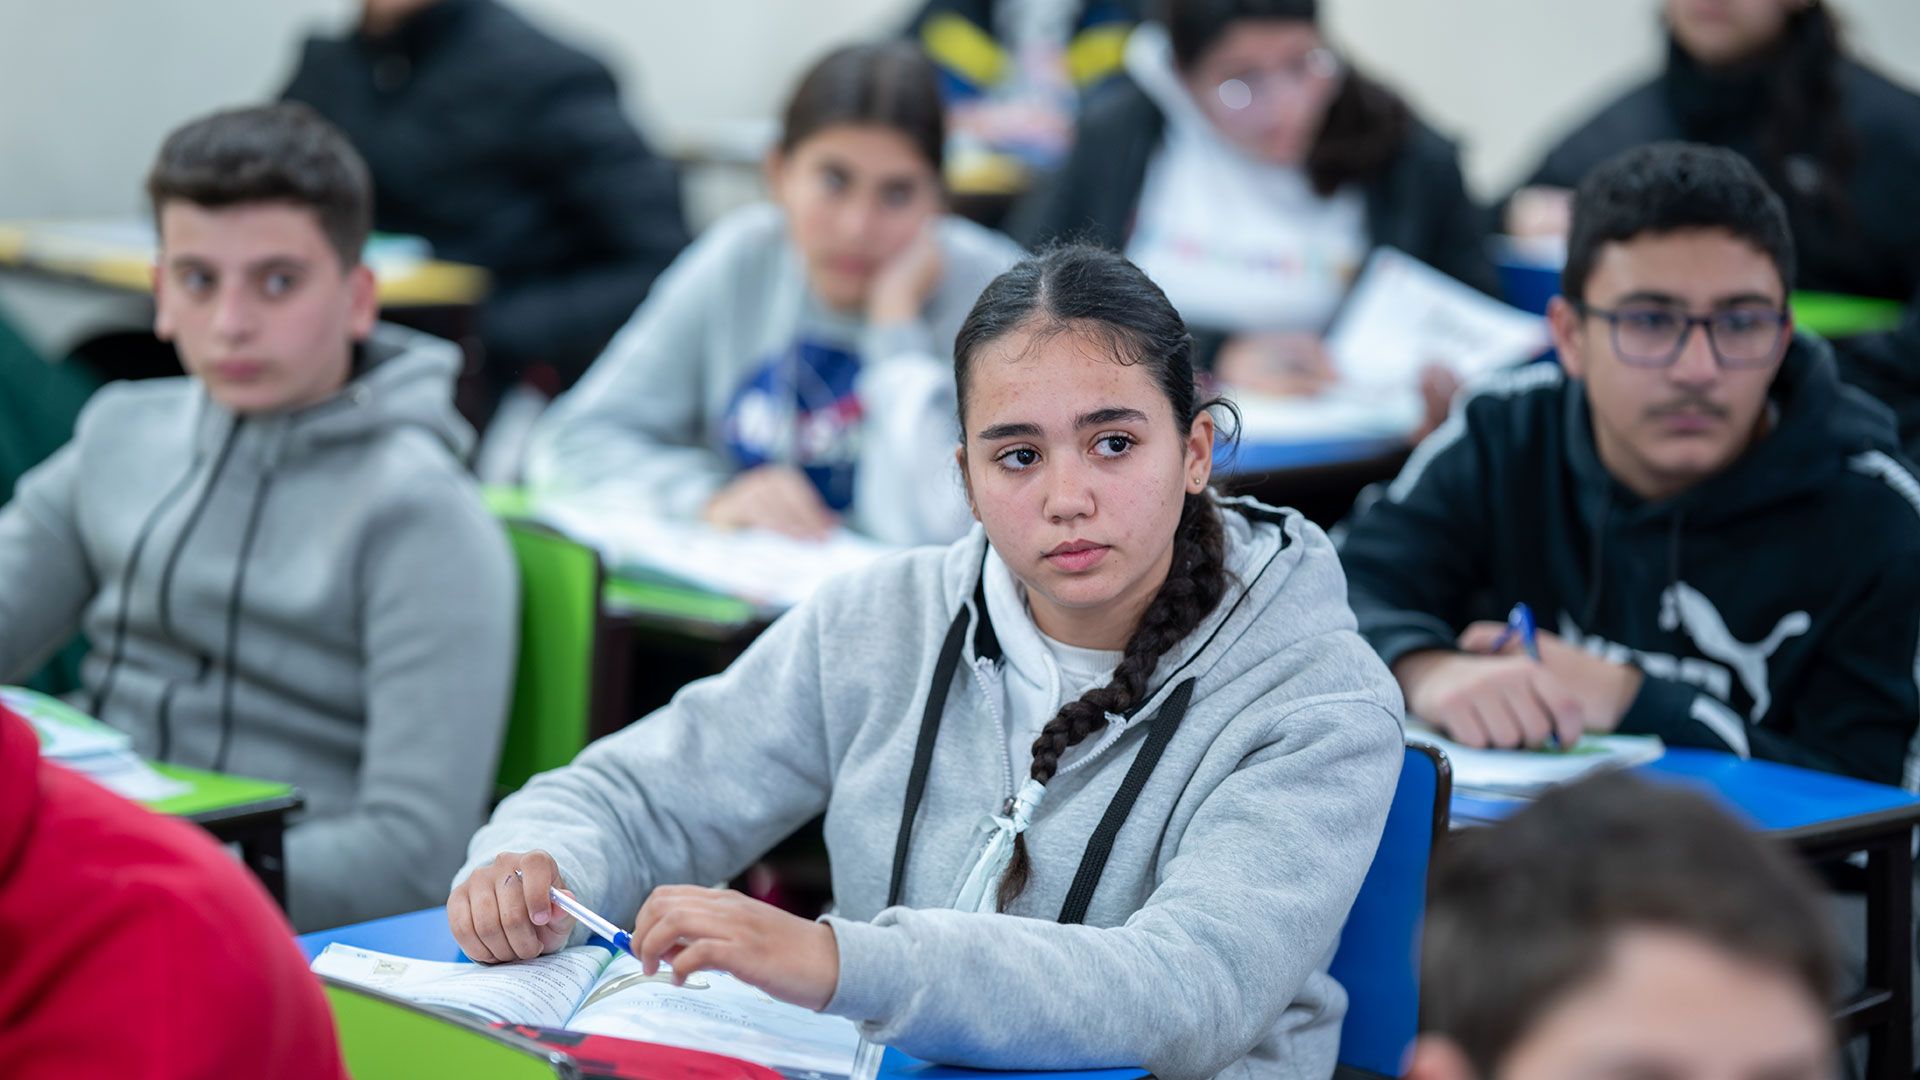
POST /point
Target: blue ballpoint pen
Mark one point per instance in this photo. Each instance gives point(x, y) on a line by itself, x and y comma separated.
point(1520, 625)
point(620, 938)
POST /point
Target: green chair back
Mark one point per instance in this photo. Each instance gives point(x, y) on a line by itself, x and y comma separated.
point(384, 1038)
point(560, 615)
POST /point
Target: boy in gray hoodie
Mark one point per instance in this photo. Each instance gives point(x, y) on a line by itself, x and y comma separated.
point(1146, 757)
point(281, 566)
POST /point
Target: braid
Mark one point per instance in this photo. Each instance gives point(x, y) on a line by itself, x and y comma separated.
point(1196, 580)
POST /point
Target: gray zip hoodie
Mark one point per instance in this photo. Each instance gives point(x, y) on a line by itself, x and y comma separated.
point(1205, 949)
point(317, 596)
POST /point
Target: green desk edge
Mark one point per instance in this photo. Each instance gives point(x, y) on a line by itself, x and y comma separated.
point(627, 595)
point(1840, 315)
point(215, 791)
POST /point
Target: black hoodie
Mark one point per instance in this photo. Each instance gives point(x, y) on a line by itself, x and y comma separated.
point(1774, 608)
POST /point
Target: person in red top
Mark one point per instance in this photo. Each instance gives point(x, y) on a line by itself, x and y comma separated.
point(132, 945)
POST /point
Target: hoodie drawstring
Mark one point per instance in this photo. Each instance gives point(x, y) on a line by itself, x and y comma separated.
point(234, 595)
point(96, 706)
point(1673, 574)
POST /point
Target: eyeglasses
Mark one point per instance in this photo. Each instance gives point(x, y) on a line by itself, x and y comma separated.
point(1239, 93)
point(1653, 335)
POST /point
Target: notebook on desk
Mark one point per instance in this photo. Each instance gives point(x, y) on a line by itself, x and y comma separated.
point(1522, 773)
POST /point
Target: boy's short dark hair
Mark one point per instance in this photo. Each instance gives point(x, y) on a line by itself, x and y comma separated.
point(1521, 912)
point(1665, 186)
point(269, 153)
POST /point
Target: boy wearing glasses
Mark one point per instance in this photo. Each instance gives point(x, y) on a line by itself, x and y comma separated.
point(1720, 542)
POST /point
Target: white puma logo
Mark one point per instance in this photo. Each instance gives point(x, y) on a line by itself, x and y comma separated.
point(1682, 605)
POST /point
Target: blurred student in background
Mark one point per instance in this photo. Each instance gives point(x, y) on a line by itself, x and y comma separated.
point(1248, 169)
point(510, 150)
point(1619, 928)
point(793, 368)
point(1839, 142)
point(281, 566)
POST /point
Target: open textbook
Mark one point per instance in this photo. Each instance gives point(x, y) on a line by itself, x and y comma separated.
point(79, 742)
point(1401, 316)
point(593, 990)
point(764, 568)
point(1527, 772)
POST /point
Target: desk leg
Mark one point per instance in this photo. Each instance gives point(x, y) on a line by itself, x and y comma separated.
point(263, 851)
point(1890, 954)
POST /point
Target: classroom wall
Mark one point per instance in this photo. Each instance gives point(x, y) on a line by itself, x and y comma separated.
point(90, 87)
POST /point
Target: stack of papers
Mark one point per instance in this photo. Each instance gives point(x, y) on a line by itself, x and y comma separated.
point(766, 569)
point(1401, 316)
point(1528, 772)
point(79, 742)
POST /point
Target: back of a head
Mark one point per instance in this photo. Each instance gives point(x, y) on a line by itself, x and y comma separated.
point(1667, 187)
point(280, 153)
point(1524, 912)
point(888, 84)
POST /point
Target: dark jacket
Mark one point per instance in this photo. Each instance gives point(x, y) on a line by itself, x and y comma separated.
point(1419, 204)
point(1868, 247)
point(507, 149)
point(1775, 608)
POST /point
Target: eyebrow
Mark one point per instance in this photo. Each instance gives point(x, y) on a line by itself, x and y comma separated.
point(271, 262)
point(1670, 300)
point(1113, 414)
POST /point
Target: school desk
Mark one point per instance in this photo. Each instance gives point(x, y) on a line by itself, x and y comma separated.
point(424, 935)
point(238, 810)
point(1826, 818)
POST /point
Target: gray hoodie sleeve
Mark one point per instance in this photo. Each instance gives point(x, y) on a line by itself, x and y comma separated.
point(440, 597)
point(1245, 913)
point(45, 581)
point(632, 430)
point(691, 793)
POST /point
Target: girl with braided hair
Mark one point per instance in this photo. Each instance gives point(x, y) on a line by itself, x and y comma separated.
point(1100, 780)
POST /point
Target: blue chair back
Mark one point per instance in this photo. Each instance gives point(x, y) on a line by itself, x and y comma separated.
point(1378, 958)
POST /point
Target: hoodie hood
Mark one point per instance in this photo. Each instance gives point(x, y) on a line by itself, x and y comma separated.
point(1267, 568)
point(402, 378)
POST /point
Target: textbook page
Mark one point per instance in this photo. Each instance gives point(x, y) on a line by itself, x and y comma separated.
point(1403, 315)
point(717, 1013)
point(542, 992)
point(1528, 772)
point(756, 565)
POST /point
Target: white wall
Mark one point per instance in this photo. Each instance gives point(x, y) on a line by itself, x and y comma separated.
point(88, 87)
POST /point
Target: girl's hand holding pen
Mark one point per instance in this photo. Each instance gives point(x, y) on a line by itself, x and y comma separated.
point(502, 911)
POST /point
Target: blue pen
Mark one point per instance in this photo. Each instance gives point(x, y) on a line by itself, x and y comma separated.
point(620, 938)
point(1520, 625)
